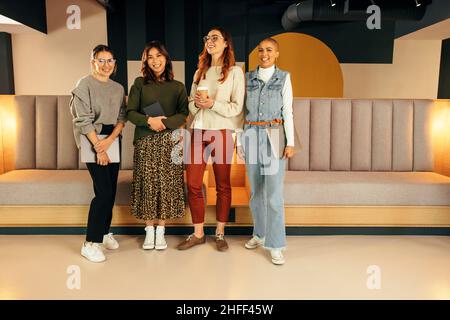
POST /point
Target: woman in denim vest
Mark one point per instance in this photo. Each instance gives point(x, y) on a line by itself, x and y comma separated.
point(265, 148)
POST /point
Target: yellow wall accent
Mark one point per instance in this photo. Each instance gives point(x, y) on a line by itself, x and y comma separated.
point(7, 133)
point(315, 70)
point(440, 134)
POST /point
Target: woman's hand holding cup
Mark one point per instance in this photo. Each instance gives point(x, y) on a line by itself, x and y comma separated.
point(202, 100)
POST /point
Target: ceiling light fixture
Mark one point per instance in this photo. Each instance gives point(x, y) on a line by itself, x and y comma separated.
point(418, 4)
point(332, 3)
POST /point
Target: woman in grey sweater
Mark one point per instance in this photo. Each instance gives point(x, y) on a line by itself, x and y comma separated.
point(98, 107)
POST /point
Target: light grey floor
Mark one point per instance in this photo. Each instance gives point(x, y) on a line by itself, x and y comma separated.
point(317, 267)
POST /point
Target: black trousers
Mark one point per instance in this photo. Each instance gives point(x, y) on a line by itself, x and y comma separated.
point(105, 185)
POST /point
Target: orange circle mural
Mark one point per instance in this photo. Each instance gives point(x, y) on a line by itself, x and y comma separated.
point(315, 70)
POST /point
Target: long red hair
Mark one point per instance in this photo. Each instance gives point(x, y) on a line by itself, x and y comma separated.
point(228, 60)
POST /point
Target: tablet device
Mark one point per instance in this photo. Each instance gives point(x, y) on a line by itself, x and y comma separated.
point(88, 154)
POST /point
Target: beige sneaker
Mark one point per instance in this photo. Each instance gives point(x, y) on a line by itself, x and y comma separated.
point(93, 252)
point(277, 256)
point(109, 242)
point(254, 243)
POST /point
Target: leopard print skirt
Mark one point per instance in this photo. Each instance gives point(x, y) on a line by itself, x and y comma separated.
point(157, 190)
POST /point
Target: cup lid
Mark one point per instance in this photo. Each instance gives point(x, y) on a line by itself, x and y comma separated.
point(202, 88)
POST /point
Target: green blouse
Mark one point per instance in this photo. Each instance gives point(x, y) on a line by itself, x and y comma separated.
point(171, 95)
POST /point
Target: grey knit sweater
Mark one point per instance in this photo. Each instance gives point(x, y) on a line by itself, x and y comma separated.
point(95, 103)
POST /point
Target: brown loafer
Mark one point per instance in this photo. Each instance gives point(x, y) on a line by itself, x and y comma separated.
point(221, 243)
point(191, 241)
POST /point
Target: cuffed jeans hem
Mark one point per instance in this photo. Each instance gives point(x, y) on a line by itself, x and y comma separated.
point(270, 248)
point(260, 238)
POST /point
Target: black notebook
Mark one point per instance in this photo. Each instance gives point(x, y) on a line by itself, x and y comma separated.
point(154, 110)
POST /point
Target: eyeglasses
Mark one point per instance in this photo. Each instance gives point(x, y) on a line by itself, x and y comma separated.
point(103, 61)
point(213, 38)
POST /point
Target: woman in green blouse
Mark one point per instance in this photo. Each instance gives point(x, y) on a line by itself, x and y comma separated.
point(157, 188)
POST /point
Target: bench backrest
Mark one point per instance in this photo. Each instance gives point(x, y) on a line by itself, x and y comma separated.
point(363, 135)
point(44, 135)
point(336, 134)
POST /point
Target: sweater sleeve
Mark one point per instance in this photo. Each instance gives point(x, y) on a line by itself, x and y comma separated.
point(240, 131)
point(134, 104)
point(123, 109)
point(179, 118)
point(83, 115)
point(82, 112)
point(192, 108)
point(234, 106)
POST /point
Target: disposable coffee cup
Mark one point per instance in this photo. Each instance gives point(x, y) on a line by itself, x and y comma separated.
point(203, 92)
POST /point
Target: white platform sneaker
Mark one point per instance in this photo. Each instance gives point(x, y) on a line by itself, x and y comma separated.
point(93, 252)
point(109, 242)
point(160, 243)
point(254, 243)
point(277, 256)
point(149, 242)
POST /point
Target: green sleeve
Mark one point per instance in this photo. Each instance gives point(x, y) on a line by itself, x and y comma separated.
point(179, 118)
point(134, 104)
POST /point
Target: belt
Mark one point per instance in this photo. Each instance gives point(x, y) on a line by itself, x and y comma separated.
point(265, 123)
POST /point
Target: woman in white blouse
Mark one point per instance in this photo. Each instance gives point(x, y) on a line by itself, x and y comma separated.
point(217, 115)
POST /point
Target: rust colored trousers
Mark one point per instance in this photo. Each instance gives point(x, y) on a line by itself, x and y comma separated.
point(219, 145)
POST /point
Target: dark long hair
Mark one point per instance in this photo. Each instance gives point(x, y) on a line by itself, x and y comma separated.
point(103, 48)
point(147, 72)
point(204, 59)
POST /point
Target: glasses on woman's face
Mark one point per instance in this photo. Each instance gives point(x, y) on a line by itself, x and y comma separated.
point(213, 38)
point(101, 62)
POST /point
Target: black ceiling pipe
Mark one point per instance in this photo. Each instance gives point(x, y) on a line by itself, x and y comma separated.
point(346, 10)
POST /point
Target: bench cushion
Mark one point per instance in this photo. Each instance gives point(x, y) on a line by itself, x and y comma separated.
point(58, 187)
point(366, 188)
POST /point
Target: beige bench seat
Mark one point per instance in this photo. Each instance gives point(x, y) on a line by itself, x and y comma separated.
point(56, 187)
point(60, 187)
point(366, 188)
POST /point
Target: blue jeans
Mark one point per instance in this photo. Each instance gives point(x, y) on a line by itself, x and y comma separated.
point(266, 174)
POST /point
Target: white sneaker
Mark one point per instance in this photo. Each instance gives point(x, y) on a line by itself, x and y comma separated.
point(109, 242)
point(93, 252)
point(254, 243)
point(161, 243)
point(149, 242)
point(277, 256)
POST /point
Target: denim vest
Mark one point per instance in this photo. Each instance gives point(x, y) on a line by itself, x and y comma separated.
point(264, 100)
